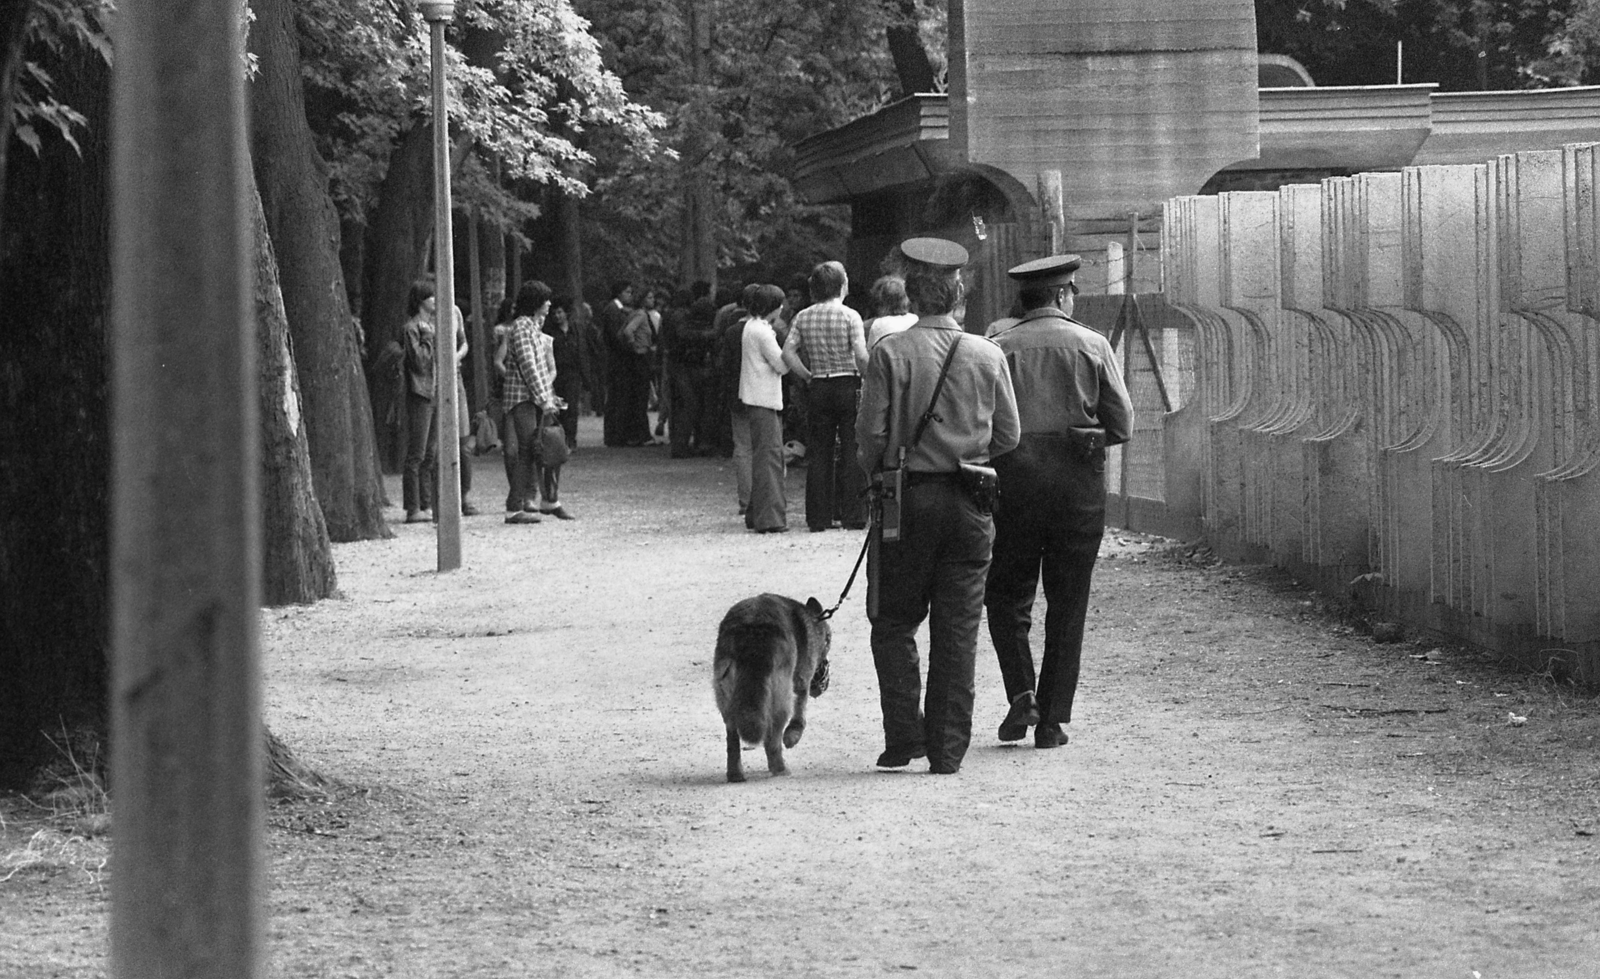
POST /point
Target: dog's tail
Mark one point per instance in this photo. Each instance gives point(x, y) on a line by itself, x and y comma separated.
point(754, 681)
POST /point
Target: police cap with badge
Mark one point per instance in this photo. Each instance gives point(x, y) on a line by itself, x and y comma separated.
point(1045, 273)
point(938, 253)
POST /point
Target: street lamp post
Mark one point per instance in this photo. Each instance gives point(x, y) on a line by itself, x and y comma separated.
point(447, 506)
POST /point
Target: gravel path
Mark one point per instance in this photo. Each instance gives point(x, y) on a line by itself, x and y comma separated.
point(534, 765)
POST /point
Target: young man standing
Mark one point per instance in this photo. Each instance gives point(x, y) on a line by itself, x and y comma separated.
point(827, 349)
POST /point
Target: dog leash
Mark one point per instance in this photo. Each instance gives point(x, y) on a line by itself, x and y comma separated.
point(828, 613)
point(922, 424)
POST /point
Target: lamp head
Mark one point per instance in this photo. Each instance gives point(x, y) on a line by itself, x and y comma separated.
point(438, 10)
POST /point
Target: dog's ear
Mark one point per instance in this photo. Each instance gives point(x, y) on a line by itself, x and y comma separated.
point(813, 606)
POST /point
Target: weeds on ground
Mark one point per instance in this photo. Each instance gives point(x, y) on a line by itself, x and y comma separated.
point(62, 824)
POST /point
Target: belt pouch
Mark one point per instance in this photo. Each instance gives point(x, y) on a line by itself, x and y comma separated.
point(981, 484)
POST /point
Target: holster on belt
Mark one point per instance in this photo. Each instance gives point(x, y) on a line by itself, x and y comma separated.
point(981, 484)
point(1059, 473)
point(1090, 445)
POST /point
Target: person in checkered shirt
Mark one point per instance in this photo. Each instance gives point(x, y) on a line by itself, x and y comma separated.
point(529, 396)
point(827, 350)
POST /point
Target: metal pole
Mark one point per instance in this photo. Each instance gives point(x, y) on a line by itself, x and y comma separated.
point(186, 735)
point(478, 333)
point(447, 507)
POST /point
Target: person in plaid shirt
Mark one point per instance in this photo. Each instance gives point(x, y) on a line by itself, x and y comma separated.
point(530, 394)
point(827, 350)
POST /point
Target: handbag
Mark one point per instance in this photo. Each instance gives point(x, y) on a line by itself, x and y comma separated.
point(550, 445)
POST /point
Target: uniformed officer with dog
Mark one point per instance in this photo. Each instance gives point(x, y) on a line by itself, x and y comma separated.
point(936, 406)
point(1073, 406)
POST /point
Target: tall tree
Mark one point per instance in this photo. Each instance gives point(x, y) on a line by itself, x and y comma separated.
point(515, 67)
point(772, 75)
point(296, 559)
point(14, 15)
point(1462, 45)
point(305, 230)
point(54, 281)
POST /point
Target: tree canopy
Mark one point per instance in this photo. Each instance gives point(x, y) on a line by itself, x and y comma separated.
point(772, 74)
point(526, 80)
point(1463, 45)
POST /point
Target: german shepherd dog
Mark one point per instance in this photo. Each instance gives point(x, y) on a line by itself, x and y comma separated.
point(772, 653)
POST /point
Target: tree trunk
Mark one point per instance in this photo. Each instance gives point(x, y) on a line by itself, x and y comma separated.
point(352, 261)
point(568, 246)
point(399, 237)
point(54, 288)
point(396, 253)
point(698, 259)
point(493, 255)
point(304, 226)
point(13, 26)
point(297, 559)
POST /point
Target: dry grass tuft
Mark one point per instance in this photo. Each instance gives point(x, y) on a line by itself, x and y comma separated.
point(49, 850)
point(66, 818)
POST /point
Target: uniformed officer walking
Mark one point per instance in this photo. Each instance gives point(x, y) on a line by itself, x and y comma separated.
point(934, 401)
point(1073, 405)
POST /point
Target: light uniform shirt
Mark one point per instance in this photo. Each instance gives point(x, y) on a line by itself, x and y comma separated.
point(1066, 376)
point(977, 410)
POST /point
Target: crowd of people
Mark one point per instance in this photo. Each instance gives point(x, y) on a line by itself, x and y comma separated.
point(980, 478)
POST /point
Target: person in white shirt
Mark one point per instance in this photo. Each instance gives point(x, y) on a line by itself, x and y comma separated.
point(761, 371)
point(892, 307)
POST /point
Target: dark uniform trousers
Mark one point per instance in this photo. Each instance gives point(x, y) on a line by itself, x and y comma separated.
point(1051, 517)
point(935, 571)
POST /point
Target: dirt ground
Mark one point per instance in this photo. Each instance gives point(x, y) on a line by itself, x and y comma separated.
point(532, 779)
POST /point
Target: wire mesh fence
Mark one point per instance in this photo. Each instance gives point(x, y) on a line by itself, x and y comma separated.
point(1168, 362)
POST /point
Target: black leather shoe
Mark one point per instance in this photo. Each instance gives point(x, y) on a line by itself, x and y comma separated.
point(900, 757)
point(1049, 736)
point(1024, 714)
point(942, 768)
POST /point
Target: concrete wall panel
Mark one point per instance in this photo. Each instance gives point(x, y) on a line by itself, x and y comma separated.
point(1400, 373)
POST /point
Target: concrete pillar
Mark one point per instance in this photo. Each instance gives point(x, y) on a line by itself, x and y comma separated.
point(1550, 285)
point(1183, 430)
point(1572, 497)
point(1410, 423)
point(1250, 284)
point(1450, 280)
point(1500, 483)
point(1344, 463)
point(1221, 360)
point(1334, 528)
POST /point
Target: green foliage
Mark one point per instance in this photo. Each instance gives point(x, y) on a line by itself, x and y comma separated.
point(1462, 45)
point(56, 24)
point(776, 73)
point(1573, 53)
point(524, 76)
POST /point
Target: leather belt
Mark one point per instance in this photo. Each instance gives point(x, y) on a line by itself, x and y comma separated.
point(915, 477)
